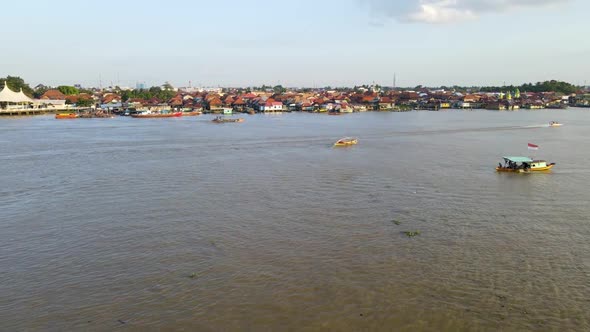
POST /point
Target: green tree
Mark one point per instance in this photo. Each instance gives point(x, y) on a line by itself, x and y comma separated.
point(68, 90)
point(84, 102)
point(126, 95)
point(40, 91)
point(167, 86)
point(279, 89)
point(16, 83)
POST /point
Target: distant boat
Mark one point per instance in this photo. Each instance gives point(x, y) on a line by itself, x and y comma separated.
point(67, 116)
point(346, 141)
point(523, 165)
point(555, 124)
point(223, 120)
point(150, 115)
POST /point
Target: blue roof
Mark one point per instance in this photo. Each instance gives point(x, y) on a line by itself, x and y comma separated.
point(519, 159)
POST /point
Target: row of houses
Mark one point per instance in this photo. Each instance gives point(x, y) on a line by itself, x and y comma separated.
point(329, 101)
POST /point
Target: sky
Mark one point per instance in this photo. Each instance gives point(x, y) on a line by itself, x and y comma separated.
point(295, 43)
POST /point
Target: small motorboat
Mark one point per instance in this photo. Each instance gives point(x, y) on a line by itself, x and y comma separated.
point(555, 124)
point(231, 120)
point(150, 115)
point(67, 116)
point(346, 141)
point(523, 165)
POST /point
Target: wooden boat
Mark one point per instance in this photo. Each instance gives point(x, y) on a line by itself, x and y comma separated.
point(523, 165)
point(96, 115)
point(555, 124)
point(67, 116)
point(222, 120)
point(346, 141)
point(156, 115)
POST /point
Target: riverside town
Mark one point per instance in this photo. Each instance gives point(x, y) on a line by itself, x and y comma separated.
point(18, 98)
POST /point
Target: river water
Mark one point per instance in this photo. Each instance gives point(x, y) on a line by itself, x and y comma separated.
point(104, 221)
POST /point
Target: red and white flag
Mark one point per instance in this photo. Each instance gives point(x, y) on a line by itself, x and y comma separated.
point(533, 146)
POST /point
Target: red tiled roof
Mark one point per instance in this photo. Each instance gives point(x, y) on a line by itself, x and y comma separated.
point(249, 96)
point(215, 102)
point(53, 95)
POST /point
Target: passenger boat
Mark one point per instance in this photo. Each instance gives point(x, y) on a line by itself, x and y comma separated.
point(523, 165)
point(67, 116)
point(149, 115)
point(346, 141)
point(222, 120)
point(555, 124)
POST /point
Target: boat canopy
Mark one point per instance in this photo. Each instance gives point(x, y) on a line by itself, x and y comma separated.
point(519, 159)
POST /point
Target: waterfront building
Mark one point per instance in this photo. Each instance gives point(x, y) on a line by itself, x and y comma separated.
point(13, 100)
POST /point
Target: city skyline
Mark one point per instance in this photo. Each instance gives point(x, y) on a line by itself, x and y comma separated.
point(354, 42)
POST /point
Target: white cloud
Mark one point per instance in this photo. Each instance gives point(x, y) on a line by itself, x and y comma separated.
point(448, 11)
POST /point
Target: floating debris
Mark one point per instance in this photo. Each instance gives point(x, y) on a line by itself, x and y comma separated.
point(121, 321)
point(412, 233)
point(193, 275)
point(397, 222)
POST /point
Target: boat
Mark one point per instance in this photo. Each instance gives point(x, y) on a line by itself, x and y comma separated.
point(523, 165)
point(150, 115)
point(346, 141)
point(95, 114)
point(222, 120)
point(555, 124)
point(67, 116)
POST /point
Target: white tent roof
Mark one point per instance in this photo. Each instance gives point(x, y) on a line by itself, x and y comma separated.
point(9, 96)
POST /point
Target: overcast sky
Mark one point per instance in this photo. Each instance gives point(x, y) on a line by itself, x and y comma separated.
point(296, 43)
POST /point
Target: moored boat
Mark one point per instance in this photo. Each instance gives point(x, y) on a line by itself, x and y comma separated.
point(346, 141)
point(67, 116)
point(523, 165)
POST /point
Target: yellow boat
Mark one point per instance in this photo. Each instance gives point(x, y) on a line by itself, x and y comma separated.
point(66, 116)
point(346, 141)
point(523, 165)
point(555, 124)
